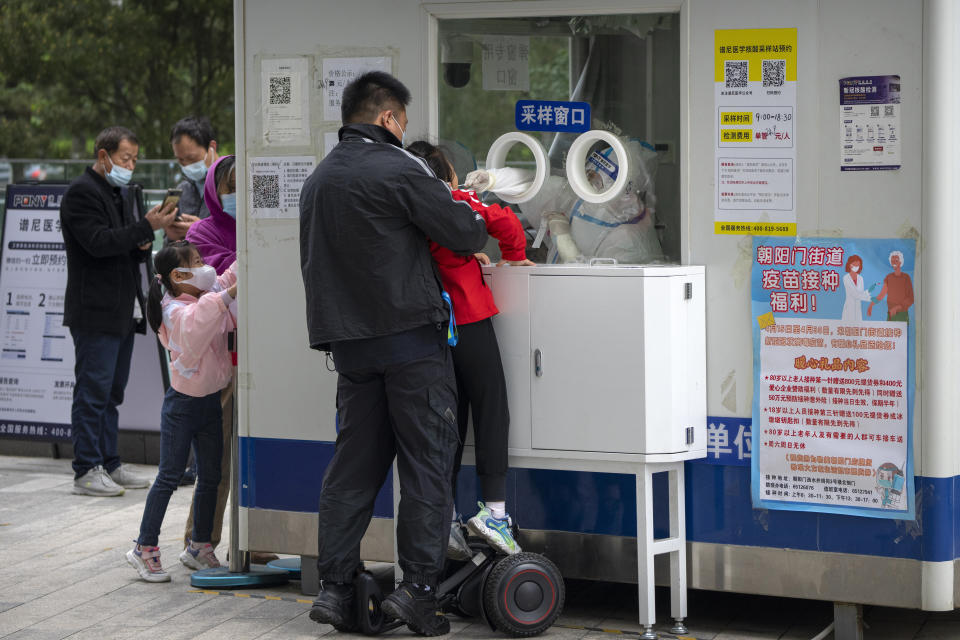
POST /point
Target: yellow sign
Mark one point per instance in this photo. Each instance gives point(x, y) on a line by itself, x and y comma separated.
point(736, 135)
point(744, 117)
point(766, 320)
point(755, 46)
point(756, 228)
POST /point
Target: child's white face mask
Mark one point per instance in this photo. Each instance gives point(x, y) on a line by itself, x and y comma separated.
point(203, 277)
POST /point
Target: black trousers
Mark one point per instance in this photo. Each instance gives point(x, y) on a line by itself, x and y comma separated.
point(406, 411)
point(482, 389)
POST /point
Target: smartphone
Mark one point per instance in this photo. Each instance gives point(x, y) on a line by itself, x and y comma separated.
point(173, 196)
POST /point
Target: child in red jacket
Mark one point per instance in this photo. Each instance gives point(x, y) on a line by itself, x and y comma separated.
point(476, 359)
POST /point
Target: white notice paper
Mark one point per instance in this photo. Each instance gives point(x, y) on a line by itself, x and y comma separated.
point(285, 101)
point(337, 74)
point(506, 63)
point(330, 140)
point(275, 185)
point(870, 123)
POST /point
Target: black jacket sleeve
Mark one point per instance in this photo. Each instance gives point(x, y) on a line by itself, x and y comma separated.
point(448, 222)
point(84, 215)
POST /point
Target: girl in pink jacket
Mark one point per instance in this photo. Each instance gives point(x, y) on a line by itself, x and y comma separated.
point(189, 308)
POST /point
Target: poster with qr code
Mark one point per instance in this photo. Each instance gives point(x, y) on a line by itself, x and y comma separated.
point(755, 80)
point(285, 101)
point(275, 185)
point(337, 73)
point(870, 123)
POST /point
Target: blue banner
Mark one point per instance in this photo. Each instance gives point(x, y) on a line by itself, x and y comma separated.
point(553, 115)
point(833, 350)
point(729, 442)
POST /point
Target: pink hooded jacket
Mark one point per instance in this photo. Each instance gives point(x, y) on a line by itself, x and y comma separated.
point(215, 236)
point(194, 331)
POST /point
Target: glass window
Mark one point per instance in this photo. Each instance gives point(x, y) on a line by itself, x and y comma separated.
point(626, 67)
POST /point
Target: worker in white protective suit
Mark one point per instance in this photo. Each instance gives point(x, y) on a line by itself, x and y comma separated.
point(621, 228)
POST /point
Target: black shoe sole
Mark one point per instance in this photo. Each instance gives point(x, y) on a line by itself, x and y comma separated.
point(326, 615)
point(402, 611)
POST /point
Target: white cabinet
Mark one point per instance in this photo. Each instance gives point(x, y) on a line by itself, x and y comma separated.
point(603, 359)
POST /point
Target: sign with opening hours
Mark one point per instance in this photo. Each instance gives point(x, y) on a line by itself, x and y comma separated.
point(553, 115)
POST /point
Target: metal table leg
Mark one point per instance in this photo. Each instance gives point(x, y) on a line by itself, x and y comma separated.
point(648, 547)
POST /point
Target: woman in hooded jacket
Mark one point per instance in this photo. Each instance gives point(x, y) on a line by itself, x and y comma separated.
point(216, 235)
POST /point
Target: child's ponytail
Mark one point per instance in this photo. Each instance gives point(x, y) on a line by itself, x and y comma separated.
point(175, 254)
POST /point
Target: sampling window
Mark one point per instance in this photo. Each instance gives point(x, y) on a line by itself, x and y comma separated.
point(627, 68)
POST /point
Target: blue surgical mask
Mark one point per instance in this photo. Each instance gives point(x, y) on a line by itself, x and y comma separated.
point(118, 176)
point(403, 134)
point(229, 202)
point(195, 172)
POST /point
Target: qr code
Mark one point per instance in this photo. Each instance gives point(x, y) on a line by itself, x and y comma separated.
point(280, 90)
point(888, 110)
point(875, 110)
point(735, 73)
point(773, 72)
point(266, 192)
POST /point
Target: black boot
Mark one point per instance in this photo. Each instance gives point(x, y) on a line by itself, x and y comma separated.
point(418, 608)
point(334, 606)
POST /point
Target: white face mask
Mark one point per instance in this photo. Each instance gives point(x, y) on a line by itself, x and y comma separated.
point(855, 268)
point(203, 277)
point(403, 134)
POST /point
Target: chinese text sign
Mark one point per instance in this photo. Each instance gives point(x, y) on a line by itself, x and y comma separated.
point(36, 351)
point(755, 100)
point(833, 376)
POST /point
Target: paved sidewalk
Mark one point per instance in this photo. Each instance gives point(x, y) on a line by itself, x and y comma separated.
point(63, 575)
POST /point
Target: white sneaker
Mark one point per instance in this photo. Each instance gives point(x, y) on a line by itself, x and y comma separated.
point(146, 560)
point(96, 482)
point(199, 556)
point(128, 479)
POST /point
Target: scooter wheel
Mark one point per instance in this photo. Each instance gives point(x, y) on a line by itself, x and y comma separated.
point(523, 594)
point(369, 598)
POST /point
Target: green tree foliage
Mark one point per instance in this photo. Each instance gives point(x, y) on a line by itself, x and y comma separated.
point(69, 68)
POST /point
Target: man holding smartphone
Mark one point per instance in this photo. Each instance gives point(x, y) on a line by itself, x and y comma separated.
point(106, 240)
point(195, 149)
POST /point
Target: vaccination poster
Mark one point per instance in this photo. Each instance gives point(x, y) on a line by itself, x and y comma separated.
point(36, 352)
point(755, 99)
point(833, 344)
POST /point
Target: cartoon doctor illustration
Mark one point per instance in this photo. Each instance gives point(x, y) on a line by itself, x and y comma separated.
point(854, 291)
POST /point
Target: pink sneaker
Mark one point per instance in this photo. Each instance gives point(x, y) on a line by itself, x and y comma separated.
point(199, 555)
point(146, 560)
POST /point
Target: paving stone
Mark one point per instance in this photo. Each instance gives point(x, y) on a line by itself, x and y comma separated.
point(63, 574)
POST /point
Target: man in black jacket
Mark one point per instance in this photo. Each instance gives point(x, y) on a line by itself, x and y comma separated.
point(105, 241)
point(374, 301)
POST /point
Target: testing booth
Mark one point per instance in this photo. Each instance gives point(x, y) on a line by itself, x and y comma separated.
point(705, 128)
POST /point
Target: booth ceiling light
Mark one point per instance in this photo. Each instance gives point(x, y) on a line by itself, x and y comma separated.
point(497, 157)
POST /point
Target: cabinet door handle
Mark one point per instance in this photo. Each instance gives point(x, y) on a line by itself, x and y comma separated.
point(537, 363)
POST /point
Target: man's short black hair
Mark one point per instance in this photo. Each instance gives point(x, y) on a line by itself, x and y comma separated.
point(197, 128)
point(111, 137)
point(373, 92)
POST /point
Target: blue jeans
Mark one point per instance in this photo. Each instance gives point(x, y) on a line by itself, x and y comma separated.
point(186, 420)
point(101, 372)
